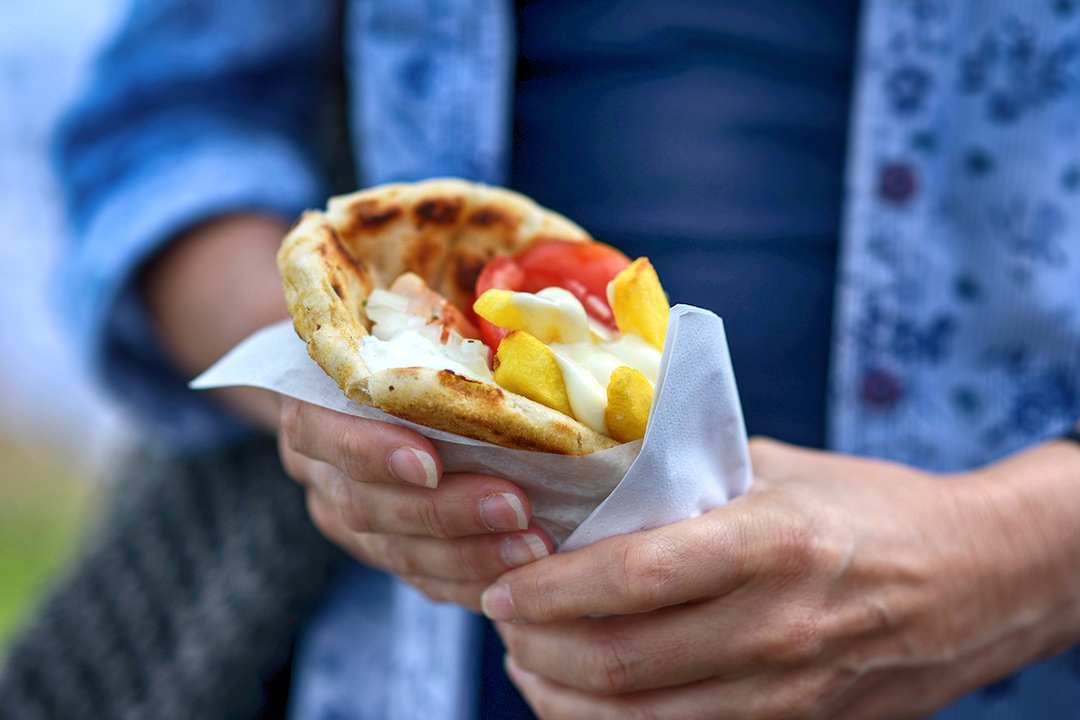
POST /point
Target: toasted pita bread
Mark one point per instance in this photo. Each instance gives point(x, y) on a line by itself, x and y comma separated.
point(445, 231)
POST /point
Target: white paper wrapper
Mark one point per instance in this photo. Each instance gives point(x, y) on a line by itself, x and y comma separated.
point(693, 458)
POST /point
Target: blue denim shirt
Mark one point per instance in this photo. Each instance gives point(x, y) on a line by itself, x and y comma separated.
point(957, 337)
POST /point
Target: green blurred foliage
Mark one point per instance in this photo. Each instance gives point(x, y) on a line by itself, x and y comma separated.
point(46, 509)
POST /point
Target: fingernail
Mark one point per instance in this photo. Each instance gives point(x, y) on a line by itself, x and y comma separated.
point(495, 602)
point(503, 511)
point(414, 467)
point(518, 550)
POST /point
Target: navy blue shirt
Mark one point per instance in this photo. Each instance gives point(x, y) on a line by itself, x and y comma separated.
point(708, 135)
point(689, 129)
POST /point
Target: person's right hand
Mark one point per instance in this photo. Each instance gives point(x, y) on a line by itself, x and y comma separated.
point(377, 491)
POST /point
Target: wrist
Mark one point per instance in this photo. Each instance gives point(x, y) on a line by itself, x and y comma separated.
point(212, 287)
point(1022, 515)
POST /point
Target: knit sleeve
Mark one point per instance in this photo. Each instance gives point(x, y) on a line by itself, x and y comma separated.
point(195, 109)
point(186, 604)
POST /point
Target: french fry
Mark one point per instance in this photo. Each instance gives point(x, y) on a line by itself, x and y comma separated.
point(639, 303)
point(629, 396)
point(524, 364)
point(546, 315)
point(495, 307)
point(528, 367)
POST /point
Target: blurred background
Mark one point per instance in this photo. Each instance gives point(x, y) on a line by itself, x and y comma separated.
point(58, 436)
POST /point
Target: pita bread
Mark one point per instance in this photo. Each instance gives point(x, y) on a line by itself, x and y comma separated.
point(445, 231)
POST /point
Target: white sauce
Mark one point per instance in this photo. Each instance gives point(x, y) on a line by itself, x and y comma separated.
point(401, 340)
point(585, 352)
point(586, 359)
point(552, 315)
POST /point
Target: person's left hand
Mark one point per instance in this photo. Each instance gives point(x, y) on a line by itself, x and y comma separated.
point(838, 587)
point(377, 491)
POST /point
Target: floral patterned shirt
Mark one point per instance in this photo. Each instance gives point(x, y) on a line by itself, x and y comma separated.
point(958, 333)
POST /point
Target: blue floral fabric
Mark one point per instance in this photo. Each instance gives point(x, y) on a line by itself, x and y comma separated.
point(958, 338)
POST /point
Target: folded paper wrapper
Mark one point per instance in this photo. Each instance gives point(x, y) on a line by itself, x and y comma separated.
point(693, 458)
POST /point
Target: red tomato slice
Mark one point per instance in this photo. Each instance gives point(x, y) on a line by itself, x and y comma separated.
point(501, 273)
point(583, 268)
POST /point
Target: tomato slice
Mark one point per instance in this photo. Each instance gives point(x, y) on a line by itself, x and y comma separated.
point(583, 268)
point(501, 273)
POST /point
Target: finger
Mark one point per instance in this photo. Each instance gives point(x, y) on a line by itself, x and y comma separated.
point(752, 698)
point(302, 468)
point(476, 557)
point(631, 573)
point(621, 654)
point(462, 592)
point(732, 637)
point(462, 505)
point(365, 450)
point(552, 701)
point(465, 593)
point(371, 507)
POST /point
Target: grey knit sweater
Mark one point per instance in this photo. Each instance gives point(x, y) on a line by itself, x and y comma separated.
point(187, 602)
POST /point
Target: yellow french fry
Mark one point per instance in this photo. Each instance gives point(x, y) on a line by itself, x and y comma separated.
point(629, 396)
point(528, 367)
point(495, 307)
point(639, 303)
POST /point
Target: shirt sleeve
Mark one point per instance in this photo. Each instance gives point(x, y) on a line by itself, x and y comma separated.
point(194, 109)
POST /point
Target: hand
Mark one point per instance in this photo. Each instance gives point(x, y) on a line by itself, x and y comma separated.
point(377, 491)
point(371, 487)
point(838, 587)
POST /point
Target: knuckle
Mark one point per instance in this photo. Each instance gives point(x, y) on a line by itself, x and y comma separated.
point(793, 545)
point(797, 640)
point(805, 641)
point(539, 596)
point(354, 454)
point(646, 572)
point(353, 511)
point(391, 554)
point(542, 597)
point(328, 523)
point(608, 669)
point(289, 419)
point(468, 564)
point(431, 519)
